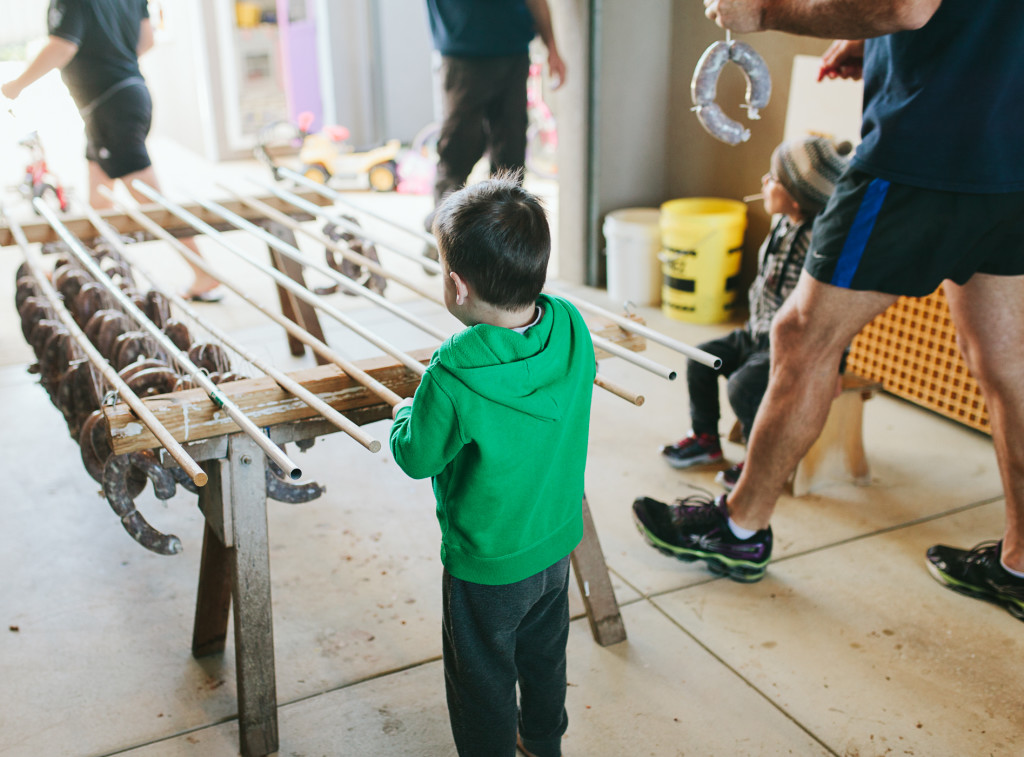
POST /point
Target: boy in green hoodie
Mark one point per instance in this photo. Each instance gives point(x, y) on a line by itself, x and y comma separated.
point(500, 421)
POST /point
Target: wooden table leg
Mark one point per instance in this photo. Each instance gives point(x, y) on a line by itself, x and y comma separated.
point(292, 307)
point(250, 588)
point(213, 598)
point(596, 585)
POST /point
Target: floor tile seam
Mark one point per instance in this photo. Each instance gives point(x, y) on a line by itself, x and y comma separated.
point(286, 703)
point(279, 706)
point(749, 683)
point(831, 545)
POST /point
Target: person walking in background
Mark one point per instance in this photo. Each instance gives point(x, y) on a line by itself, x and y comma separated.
point(485, 62)
point(500, 422)
point(802, 175)
point(934, 196)
point(96, 44)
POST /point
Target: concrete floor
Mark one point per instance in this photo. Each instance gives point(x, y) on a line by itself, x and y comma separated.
point(847, 647)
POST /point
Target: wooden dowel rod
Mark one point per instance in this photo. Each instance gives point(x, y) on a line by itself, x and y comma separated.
point(288, 283)
point(327, 215)
point(247, 426)
point(288, 222)
point(294, 253)
point(698, 355)
point(336, 197)
point(190, 466)
point(353, 371)
point(619, 391)
point(638, 360)
point(283, 380)
point(693, 353)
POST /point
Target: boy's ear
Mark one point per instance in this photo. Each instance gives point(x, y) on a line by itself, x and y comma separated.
point(461, 288)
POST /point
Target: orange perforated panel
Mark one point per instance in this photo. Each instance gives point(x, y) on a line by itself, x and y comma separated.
point(911, 348)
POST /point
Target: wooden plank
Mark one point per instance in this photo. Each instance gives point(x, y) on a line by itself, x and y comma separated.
point(40, 231)
point(191, 415)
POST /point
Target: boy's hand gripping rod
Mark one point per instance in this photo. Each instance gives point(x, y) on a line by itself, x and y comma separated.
point(249, 428)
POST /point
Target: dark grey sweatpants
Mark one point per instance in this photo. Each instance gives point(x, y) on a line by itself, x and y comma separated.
point(495, 637)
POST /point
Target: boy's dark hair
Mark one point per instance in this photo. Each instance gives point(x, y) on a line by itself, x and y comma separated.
point(495, 235)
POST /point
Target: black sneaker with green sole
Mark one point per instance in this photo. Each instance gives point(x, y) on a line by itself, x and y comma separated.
point(978, 573)
point(697, 528)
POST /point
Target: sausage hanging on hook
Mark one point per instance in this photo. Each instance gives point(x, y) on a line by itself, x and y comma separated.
point(704, 88)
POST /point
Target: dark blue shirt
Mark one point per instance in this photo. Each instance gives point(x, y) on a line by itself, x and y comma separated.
point(107, 35)
point(480, 28)
point(944, 104)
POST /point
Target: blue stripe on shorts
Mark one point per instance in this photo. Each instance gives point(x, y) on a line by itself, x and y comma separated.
point(860, 231)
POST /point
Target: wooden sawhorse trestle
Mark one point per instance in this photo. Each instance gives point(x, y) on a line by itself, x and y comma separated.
point(234, 573)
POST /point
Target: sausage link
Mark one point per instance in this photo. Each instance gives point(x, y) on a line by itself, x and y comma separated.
point(115, 324)
point(704, 84)
point(115, 487)
point(759, 79)
point(283, 491)
point(178, 333)
point(720, 126)
point(141, 365)
point(152, 381)
point(157, 308)
point(163, 482)
point(25, 287)
point(132, 346)
point(90, 298)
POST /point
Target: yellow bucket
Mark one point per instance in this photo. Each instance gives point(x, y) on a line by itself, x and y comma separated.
point(702, 248)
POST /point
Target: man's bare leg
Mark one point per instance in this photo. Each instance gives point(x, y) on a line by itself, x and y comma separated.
point(989, 315)
point(201, 281)
point(809, 334)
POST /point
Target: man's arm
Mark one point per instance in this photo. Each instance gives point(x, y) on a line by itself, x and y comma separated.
point(145, 38)
point(837, 19)
point(57, 53)
point(542, 20)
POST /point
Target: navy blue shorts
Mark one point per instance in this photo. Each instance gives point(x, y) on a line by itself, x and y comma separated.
point(116, 126)
point(876, 235)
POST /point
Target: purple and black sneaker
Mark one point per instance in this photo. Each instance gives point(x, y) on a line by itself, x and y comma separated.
point(696, 528)
point(978, 573)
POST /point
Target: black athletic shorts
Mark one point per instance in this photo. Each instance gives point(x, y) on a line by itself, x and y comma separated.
point(876, 235)
point(116, 126)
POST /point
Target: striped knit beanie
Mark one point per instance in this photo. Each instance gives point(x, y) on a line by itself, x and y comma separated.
point(808, 168)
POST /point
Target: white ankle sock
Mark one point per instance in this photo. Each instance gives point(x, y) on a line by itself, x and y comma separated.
point(739, 532)
point(1011, 571)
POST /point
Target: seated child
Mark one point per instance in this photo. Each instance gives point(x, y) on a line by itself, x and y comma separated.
point(500, 422)
point(802, 176)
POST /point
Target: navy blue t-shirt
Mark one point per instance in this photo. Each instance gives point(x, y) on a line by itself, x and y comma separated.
point(481, 28)
point(944, 104)
point(107, 35)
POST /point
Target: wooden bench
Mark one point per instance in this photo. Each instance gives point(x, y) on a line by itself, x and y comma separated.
point(839, 449)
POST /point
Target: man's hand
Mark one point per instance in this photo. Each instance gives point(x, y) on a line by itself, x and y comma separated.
point(556, 69)
point(844, 59)
point(740, 16)
point(11, 89)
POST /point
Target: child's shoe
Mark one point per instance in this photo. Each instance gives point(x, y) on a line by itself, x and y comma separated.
point(695, 449)
point(728, 478)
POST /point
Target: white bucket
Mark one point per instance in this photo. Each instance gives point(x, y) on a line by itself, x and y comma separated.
point(632, 241)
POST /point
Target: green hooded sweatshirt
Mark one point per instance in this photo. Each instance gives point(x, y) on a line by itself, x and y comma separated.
point(500, 421)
